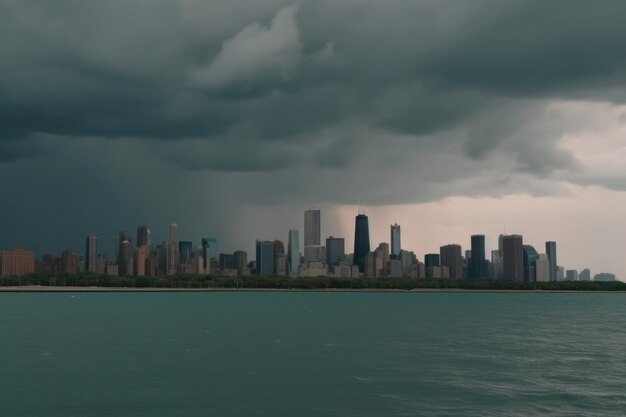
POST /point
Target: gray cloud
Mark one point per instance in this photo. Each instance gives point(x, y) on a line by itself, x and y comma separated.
point(316, 101)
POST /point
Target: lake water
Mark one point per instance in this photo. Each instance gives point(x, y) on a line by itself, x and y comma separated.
point(312, 354)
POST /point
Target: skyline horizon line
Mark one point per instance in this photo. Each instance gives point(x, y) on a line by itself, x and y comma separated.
point(329, 235)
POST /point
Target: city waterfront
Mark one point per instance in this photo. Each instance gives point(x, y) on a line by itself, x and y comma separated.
point(312, 354)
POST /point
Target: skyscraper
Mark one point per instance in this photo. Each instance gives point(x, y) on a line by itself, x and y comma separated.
point(141, 256)
point(264, 258)
point(91, 253)
point(312, 236)
point(185, 249)
point(361, 241)
point(530, 258)
point(395, 241)
point(126, 261)
point(584, 275)
point(278, 252)
point(513, 259)
point(142, 236)
point(209, 251)
point(477, 266)
point(551, 252)
point(293, 252)
point(335, 250)
point(542, 268)
point(174, 234)
point(241, 262)
point(431, 259)
point(452, 258)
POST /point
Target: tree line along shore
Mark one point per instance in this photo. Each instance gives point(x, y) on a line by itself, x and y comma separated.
point(322, 283)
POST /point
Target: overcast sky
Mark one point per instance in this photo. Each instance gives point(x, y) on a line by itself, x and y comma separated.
point(230, 117)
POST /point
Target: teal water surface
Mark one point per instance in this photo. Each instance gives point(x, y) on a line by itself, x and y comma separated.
point(312, 354)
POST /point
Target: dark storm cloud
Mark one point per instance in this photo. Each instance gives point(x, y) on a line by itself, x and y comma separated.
point(257, 82)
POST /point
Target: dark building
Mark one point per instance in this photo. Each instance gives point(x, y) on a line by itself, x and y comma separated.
point(185, 250)
point(241, 262)
point(361, 241)
point(551, 252)
point(530, 263)
point(431, 259)
point(335, 250)
point(264, 258)
point(125, 263)
point(395, 241)
point(478, 263)
point(278, 249)
point(227, 261)
point(513, 259)
point(452, 258)
point(91, 253)
point(142, 236)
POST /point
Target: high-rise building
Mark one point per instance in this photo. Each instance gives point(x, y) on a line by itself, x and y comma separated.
point(241, 262)
point(585, 275)
point(452, 258)
point(513, 259)
point(560, 273)
point(312, 228)
point(278, 251)
point(496, 264)
point(335, 250)
point(551, 252)
point(571, 275)
point(121, 237)
point(477, 265)
point(141, 257)
point(280, 265)
point(264, 258)
point(167, 260)
point(142, 236)
point(382, 254)
point(293, 253)
point(209, 251)
point(431, 259)
point(313, 251)
point(174, 233)
point(361, 241)
point(530, 258)
point(542, 268)
point(407, 259)
point(14, 263)
point(91, 253)
point(395, 241)
point(227, 262)
point(185, 250)
point(126, 261)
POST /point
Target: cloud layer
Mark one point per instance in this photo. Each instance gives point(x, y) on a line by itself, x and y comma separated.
point(233, 104)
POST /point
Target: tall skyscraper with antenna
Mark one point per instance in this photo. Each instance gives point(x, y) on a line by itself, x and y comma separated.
point(361, 241)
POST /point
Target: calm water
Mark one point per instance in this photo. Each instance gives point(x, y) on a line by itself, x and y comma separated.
point(312, 354)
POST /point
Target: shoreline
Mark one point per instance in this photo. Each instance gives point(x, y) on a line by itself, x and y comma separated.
point(54, 289)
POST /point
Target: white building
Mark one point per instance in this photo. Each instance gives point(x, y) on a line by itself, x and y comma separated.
point(542, 268)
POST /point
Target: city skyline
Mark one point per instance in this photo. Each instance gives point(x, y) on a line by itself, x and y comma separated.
point(512, 256)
